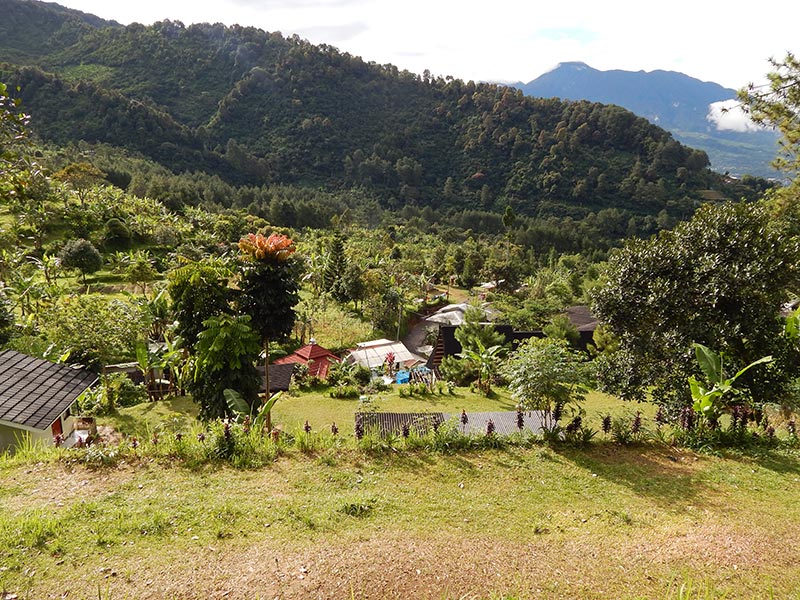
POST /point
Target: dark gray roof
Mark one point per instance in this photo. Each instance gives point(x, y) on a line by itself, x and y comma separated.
point(34, 392)
point(384, 423)
point(582, 318)
point(505, 423)
point(280, 377)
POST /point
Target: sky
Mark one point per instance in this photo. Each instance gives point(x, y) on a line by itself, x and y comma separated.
point(510, 40)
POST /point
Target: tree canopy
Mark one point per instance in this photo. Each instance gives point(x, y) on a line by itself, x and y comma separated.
point(225, 356)
point(269, 288)
point(778, 105)
point(254, 108)
point(81, 255)
point(718, 280)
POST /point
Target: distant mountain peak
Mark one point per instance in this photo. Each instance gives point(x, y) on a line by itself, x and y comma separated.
point(673, 100)
point(574, 64)
point(570, 66)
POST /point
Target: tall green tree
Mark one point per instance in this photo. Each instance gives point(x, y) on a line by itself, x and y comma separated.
point(475, 331)
point(225, 357)
point(199, 290)
point(81, 177)
point(94, 329)
point(335, 265)
point(777, 105)
point(269, 290)
point(6, 319)
point(718, 280)
point(545, 374)
point(560, 327)
point(140, 270)
point(16, 169)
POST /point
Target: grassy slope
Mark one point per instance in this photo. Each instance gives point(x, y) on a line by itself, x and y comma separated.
point(603, 521)
point(613, 522)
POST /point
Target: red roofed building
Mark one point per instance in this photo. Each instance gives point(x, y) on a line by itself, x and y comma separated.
point(317, 358)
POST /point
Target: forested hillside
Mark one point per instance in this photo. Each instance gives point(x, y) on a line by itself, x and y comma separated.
point(256, 109)
point(677, 102)
point(29, 30)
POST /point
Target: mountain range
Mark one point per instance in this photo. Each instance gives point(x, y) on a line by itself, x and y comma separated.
point(678, 103)
point(256, 109)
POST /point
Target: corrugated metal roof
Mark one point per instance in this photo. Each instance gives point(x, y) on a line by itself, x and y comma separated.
point(34, 392)
point(385, 423)
point(505, 423)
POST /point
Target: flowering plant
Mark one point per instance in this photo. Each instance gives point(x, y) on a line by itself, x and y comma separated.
point(277, 246)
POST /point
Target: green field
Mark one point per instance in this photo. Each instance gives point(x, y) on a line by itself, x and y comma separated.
point(607, 522)
point(536, 521)
point(320, 410)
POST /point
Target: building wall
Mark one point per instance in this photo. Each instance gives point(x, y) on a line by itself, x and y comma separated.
point(7, 438)
point(10, 436)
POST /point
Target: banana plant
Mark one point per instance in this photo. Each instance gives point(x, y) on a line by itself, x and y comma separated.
point(792, 325)
point(241, 409)
point(150, 363)
point(486, 360)
point(708, 396)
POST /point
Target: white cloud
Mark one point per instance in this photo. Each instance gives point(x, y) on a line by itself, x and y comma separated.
point(506, 40)
point(729, 116)
point(332, 34)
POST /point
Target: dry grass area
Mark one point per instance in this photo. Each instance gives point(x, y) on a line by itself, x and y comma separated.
point(602, 522)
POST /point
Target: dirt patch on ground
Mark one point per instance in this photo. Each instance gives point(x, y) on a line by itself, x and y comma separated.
point(647, 554)
point(397, 566)
point(49, 486)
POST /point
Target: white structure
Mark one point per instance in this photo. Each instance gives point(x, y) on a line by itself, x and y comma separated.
point(453, 314)
point(38, 399)
point(373, 354)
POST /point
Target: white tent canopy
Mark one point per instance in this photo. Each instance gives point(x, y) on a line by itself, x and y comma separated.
point(373, 354)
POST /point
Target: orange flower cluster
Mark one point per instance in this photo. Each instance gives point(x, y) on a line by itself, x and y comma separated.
point(277, 246)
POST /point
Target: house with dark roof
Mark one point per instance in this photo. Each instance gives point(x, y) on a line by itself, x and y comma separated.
point(38, 398)
point(447, 345)
point(280, 377)
point(317, 358)
point(584, 321)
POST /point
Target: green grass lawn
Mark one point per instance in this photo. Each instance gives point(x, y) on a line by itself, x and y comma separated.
point(597, 521)
point(320, 410)
point(563, 522)
point(148, 416)
point(334, 327)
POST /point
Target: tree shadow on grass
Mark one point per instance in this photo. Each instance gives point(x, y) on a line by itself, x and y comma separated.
point(778, 460)
point(424, 461)
point(150, 415)
point(503, 402)
point(128, 425)
point(663, 475)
